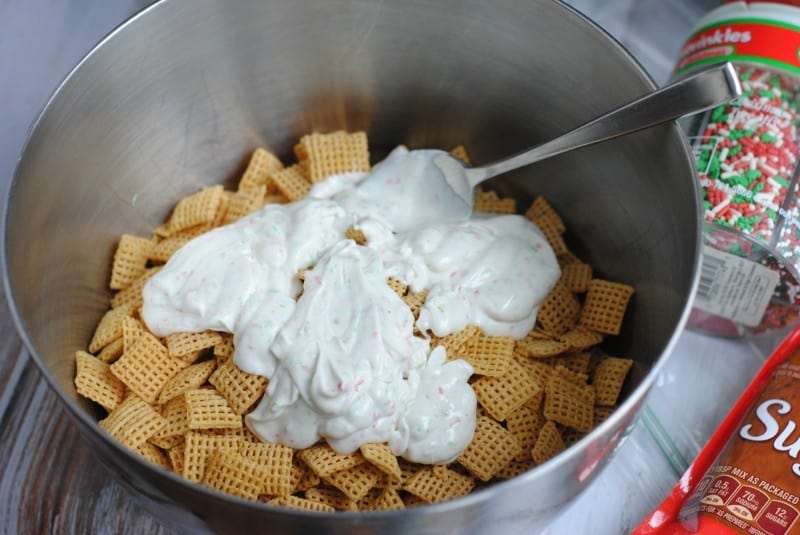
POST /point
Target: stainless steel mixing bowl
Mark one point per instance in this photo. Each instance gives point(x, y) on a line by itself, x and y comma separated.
point(178, 97)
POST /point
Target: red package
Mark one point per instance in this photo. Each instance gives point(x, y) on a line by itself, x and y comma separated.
point(747, 477)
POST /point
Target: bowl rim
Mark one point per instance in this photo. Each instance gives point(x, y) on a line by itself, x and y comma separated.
point(629, 405)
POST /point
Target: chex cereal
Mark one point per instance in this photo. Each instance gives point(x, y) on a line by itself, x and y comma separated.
point(179, 401)
point(130, 260)
point(261, 166)
point(491, 449)
point(94, 380)
point(332, 154)
point(208, 409)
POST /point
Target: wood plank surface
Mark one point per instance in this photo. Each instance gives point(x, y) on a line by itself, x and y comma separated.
point(49, 480)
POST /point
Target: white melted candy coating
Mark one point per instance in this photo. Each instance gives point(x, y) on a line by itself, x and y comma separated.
point(342, 358)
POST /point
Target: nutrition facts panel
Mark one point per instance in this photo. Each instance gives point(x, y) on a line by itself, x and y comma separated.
point(49, 480)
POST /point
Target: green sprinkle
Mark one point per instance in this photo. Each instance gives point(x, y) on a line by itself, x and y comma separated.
point(772, 214)
point(707, 205)
point(768, 138)
point(752, 174)
point(746, 75)
point(780, 180)
point(713, 166)
point(736, 149)
point(766, 93)
point(719, 115)
point(757, 188)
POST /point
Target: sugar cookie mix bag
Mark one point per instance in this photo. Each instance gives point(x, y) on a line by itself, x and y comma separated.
point(747, 477)
point(747, 159)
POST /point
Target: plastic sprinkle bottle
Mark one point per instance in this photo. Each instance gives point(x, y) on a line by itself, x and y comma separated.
point(747, 156)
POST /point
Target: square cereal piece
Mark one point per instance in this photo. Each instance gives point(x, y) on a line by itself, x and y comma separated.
point(415, 300)
point(605, 306)
point(145, 367)
point(575, 362)
point(130, 260)
point(153, 454)
point(381, 456)
point(199, 445)
point(460, 152)
point(295, 502)
point(541, 210)
point(503, 395)
point(261, 166)
point(223, 351)
point(354, 482)
point(364, 503)
point(576, 276)
point(241, 389)
point(165, 248)
point(276, 198)
point(175, 413)
point(189, 378)
point(540, 370)
point(387, 500)
point(230, 472)
point(455, 341)
point(132, 295)
point(324, 461)
point(132, 422)
point(491, 204)
point(331, 496)
point(609, 375)
point(111, 352)
point(201, 207)
point(552, 231)
point(407, 469)
point(302, 477)
point(572, 376)
point(517, 467)
point(222, 210)
point(524, 425)
point(108, 329)
point(244, 202)
point(357, 235)
point(276, 460)
point(432, 487)
point(548, 444)
point(566, 258)
point(184, 343)
point(291, 182)
point(334, 153)
point(411, 501)
point(398, 286)
point(568, 403)
point(176, 455)
point(559, 310)
point(94, 380)
point(491, 448)
point(541, 348)
point(208, 409)
point(580, 339)
point(488, 355)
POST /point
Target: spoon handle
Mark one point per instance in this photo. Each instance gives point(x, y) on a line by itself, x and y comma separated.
point(701, 91)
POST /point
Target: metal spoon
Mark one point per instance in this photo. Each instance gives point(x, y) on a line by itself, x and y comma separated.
point(701, 91)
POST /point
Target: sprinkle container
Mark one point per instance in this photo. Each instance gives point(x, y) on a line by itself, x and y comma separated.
point(747, 160)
